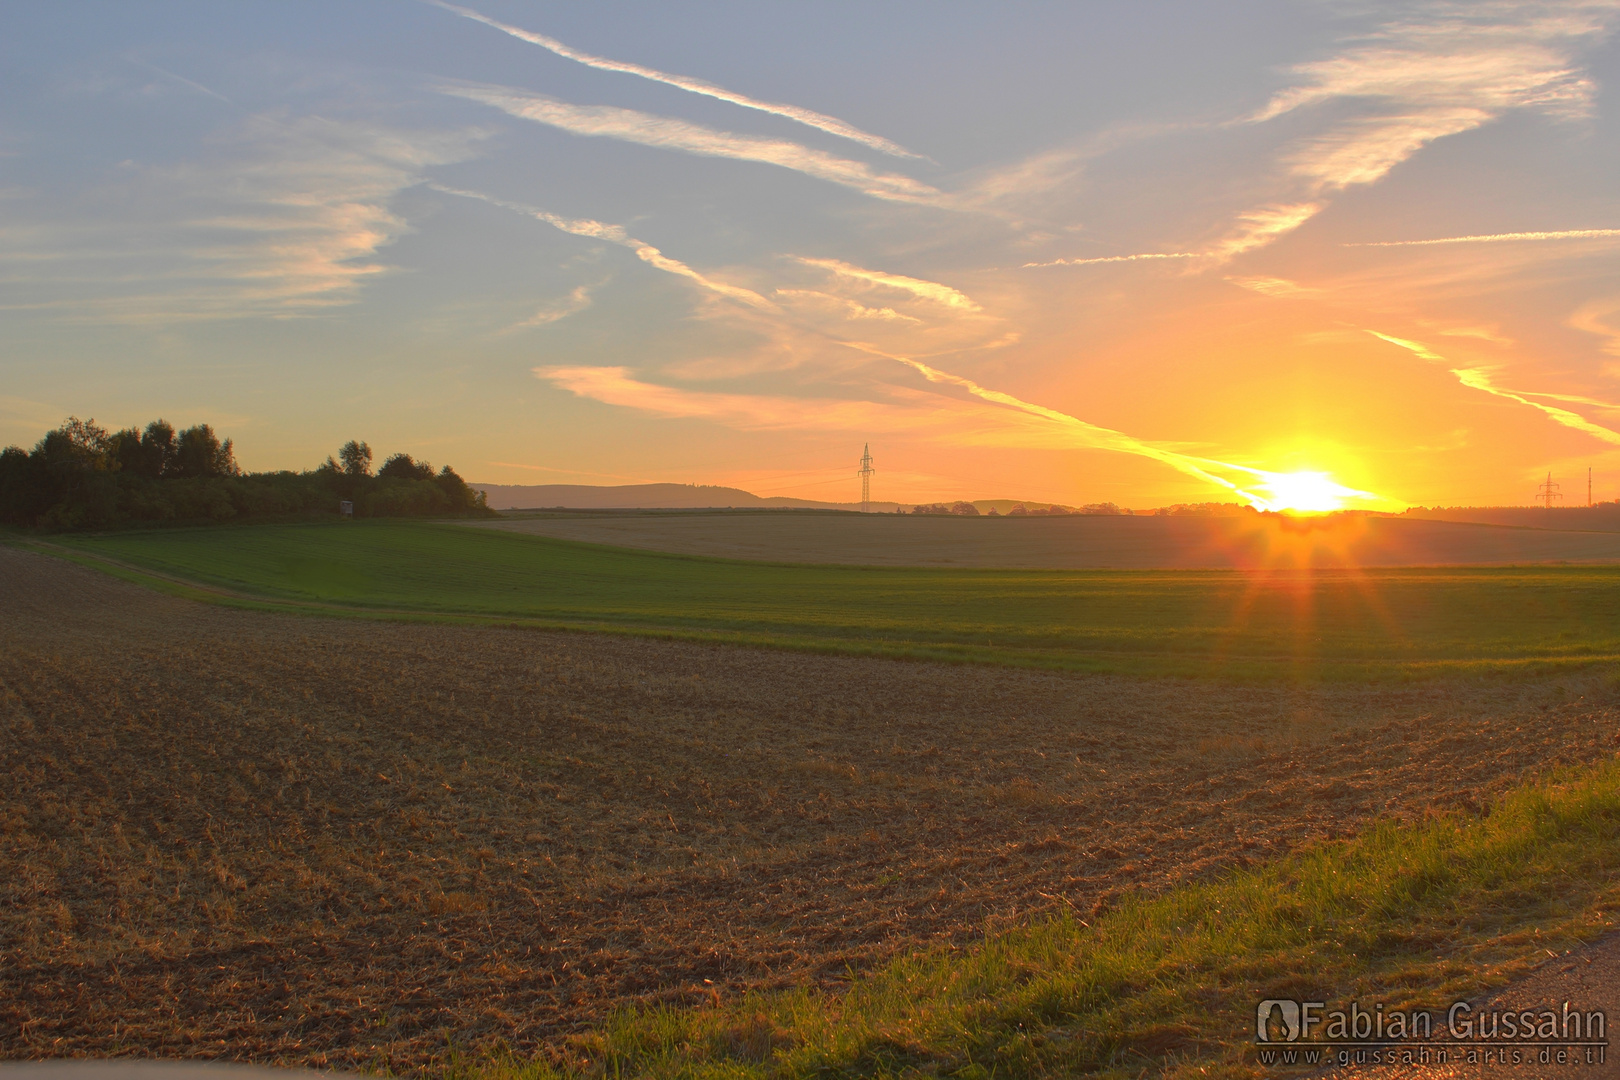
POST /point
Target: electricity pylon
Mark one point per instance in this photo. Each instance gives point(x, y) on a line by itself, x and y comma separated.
point(866, 479)
point(1547, 492)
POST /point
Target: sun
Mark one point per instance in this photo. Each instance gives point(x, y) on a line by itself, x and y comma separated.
point(1306, 492)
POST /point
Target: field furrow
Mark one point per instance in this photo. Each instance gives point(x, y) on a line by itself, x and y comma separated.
point(248, 835)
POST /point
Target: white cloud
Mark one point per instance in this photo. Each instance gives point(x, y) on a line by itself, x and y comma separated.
point(842, 305)
point(1600, 317)
point(1447, 69)
point(282, 218)
point(830, 124)
point(1260, 226)
point(1480, 378)
point(575, 302)
point(1498, 238)
point(615, 234)
point(753, 412)
point(1144, 257)
point(926, 290)
point(669, 133)
point(1281, 288)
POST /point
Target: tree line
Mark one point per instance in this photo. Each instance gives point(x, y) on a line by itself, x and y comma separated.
point(967, 509)
point(82, 476)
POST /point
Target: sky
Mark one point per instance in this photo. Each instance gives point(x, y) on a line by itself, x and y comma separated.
point(1134, 252)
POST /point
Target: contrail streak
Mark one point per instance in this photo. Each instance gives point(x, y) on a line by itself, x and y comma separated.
point(830, 124)
point(1480, 379)
point(1114, 259)
point(1496, 238)
point(648, 129)
point(1100, 437)
point(182, 80)
point(1575, 398)
point(927, 290)
point(1108, 439)
point(614, 234)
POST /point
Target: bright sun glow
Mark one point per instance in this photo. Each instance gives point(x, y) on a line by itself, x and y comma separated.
point(1306, 492)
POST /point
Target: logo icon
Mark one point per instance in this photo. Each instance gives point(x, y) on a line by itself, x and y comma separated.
point(1266, 1010)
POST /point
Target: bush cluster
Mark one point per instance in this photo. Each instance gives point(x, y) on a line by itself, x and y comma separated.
point(1208, 509)
point(81, 476)
point(960, 509)
point(967, 509)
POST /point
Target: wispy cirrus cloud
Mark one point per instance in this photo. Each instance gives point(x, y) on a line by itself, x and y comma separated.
point(1574, 399)
point(669, 133)
point(918, 287)
point(1498, 238)
point(1258, 227)
point(615, 234)
point(1149, 256)
point(278, 218)
point(752, 412)
point(1600, 317)
point(843, 305)
point(1275, 286)
point(1446, 69)
point(820, 121)
point(577, 300)
point(1479, 378)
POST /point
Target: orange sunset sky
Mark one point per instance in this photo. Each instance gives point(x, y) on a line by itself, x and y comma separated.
point(1140, 253)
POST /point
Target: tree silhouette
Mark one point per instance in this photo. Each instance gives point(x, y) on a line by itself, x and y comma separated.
point(405, 467)
point(356, 458)
point(198, 452)
point(80, 476)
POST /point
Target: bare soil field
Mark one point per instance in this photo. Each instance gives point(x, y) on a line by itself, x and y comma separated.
point(252, 836)
point(1070, 543)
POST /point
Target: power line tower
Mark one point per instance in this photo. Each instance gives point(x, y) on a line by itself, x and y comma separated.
point(1547, 492)
point(1589, 487)
point(866, 479)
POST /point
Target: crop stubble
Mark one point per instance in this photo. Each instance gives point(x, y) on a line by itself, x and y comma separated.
point(242, 835)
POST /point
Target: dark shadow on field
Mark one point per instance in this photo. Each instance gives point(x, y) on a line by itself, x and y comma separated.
point(266, 837)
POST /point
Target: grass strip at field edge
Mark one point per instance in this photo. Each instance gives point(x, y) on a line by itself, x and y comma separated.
point(1413, 915)
point(1135, 664)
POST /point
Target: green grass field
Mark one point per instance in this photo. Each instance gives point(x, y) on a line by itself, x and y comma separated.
point(1334, 624)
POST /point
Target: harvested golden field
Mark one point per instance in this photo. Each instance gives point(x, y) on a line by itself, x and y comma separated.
point(255, 836)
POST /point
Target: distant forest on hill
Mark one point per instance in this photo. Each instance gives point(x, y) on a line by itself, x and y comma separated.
point(81, 476)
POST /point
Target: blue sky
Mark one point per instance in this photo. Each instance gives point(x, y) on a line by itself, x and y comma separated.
point(1144, 253)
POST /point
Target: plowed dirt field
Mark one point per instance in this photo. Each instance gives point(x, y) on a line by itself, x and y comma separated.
point(243, 835)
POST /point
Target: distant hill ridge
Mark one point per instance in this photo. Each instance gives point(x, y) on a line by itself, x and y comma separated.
point(1603, 517)
point(646, 497)
point(684, 497)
